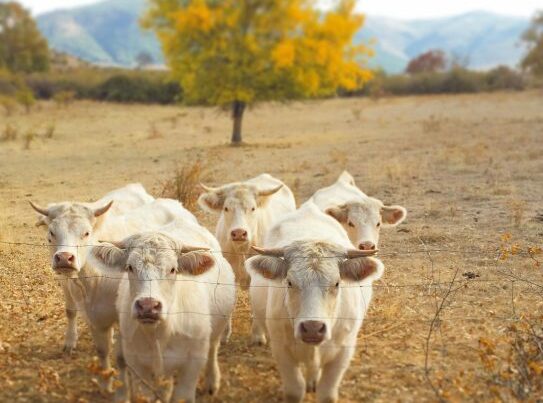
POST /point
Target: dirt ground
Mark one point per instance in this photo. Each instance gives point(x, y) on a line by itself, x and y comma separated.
point(468, 168)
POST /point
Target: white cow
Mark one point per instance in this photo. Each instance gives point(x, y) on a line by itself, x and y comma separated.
point(71, 229)
point(313, 289)
point(361, 216)
point(174, 303)
point(247, 210)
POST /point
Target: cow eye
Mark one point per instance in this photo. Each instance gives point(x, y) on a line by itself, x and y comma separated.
point(351, 224)
point(337, 284)
point(52, 233)
point(253, 209)
point(129, 268)
point(173, 270)
point(226, 209)
point(378, 224)
point(289, 283)
point(86, 234)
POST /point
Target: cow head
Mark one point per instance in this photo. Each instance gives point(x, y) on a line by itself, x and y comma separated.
point(239, 206)
point(363, 220)
point(152, 263)
point(71, 229)
point(314, 274)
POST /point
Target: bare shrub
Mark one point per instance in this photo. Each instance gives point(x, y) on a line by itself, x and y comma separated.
point(64, 98)
point(154, 133)
point(25, 98)
point(184, 185)
point(431, 125)
point(339, 157)
point(9, 133)
point(517, 209)
point(513, 364)
point(8, 104)
point(29, 137)
point(50, 131)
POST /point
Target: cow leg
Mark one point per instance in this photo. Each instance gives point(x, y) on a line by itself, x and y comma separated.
point(212, 371)
point(123, 393)
point(291, 375)
point(332, 374)
point(312, 378)
point(187, 380)
point(102, 341)
point(227, 332)
point(70, 337)
point(259, 300)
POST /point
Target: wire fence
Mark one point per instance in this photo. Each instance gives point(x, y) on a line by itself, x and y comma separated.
point(444, 291)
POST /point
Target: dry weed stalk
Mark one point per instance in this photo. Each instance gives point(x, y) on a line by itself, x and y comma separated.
point(184, 185)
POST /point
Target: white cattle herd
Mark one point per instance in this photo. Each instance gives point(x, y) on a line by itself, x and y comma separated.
point(147, 265)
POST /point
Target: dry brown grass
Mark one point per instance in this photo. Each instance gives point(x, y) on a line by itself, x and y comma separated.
point(456, 209)
point(9, 133)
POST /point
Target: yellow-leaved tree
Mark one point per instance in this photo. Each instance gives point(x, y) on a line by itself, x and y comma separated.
point(233, 53)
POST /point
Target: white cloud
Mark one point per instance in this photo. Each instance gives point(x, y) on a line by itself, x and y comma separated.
point(402, 9)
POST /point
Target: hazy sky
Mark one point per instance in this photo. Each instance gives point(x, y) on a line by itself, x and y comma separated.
point(405, 9)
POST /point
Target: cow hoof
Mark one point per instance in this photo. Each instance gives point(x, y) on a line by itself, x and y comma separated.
point(258, 340)
point(311, 387)
point(68, 350)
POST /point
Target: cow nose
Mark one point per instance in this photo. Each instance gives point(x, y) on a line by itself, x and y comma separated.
point(239, 235)
point(312, 331)
point(148, 309)
point(64, 260)
point(366, 246)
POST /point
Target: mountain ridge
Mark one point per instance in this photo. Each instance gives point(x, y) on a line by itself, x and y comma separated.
point(108, 33)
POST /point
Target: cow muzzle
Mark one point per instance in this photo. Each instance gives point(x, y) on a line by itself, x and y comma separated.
point(367, 245)
point(312, 331)
point(64, 263)
point(148, 310)
point(239, 235)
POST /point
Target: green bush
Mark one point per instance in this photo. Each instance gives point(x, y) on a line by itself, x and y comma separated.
point(113, 85)
point(123, 88)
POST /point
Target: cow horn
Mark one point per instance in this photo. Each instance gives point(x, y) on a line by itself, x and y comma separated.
point(39, 209)
point(207, 188)
point(188, 248)
point(269, 192)
point(354, 253)
point(102, 210)
point(275, 252)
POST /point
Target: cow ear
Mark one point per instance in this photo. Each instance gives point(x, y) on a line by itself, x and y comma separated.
point(109, 257)
point(42, 220)
point(361, 268)
point(269, 267)
point(393, 215)
point(340, 213)
point(211, 201)
point(194, 263)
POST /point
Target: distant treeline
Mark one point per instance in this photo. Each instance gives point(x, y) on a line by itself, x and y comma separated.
point(457, 80)
point(137, 86)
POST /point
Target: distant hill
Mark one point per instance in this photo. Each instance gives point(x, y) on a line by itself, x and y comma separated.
point(104, 33)
point(109, 33)
point(481, 39)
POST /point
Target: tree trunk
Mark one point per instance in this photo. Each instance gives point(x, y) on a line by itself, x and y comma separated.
point(238, 107)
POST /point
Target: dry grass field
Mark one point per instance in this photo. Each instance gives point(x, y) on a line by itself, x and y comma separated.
point(469, 169)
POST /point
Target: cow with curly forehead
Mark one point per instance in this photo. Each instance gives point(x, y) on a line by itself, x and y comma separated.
point(310, 290)
point(175, 302)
